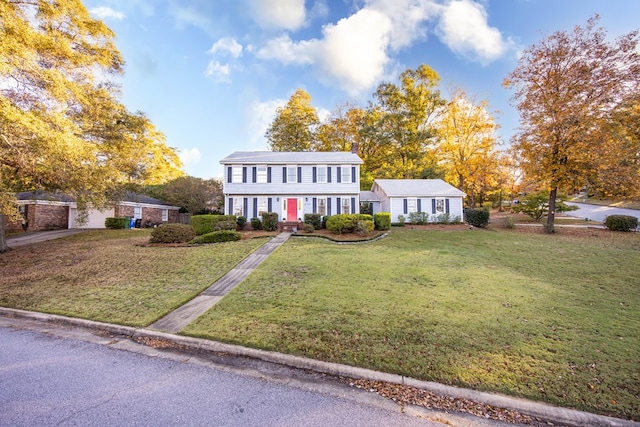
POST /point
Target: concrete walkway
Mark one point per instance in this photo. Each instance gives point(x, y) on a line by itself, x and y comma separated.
point(178, 319)
point(24, 239)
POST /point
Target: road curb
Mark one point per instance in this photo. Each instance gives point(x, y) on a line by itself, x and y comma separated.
point(547, 412)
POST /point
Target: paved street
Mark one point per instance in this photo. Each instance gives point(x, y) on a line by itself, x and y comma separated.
point(599, 213)
point(50, 380)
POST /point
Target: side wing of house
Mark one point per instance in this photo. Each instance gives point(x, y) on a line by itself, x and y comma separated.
point(291, 184)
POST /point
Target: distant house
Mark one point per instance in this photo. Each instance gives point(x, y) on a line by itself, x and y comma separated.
point(404, 196)
point(291, 184)
point(54, 211)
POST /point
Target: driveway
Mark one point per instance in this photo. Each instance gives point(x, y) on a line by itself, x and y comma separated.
point(25, 239)
point(599, 213)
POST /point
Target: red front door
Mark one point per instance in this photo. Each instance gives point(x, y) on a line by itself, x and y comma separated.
point(292, 209)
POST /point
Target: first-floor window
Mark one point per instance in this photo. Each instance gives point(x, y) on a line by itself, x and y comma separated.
point(262, 205)
point(165, 214)
point(137, 212)
point(412, 205)
point(322, 206)
point(440, 205)
point(237, 207)
point(346, 205)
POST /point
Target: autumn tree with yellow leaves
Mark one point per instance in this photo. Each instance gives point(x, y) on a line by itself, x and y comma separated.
point(295, 124)
point(569, 87)
point(62, 127)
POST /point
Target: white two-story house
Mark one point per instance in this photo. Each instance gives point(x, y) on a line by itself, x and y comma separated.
point(291, 184)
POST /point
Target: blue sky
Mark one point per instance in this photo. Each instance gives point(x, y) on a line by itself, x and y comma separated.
point(211, 73)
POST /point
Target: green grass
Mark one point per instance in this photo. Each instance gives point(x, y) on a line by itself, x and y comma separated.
point(552, 318)
point(110, 276)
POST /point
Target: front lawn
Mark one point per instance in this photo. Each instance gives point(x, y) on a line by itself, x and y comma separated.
point(552, 318)
point(110, 276)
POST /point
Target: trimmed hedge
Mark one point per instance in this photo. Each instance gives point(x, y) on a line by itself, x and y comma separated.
point(117, 223)
point(203, 224)
point(346, 223)
point(217, 237)
point(476, 217)
point(256, 224)
point(241, 221)
point(382, 220)
point(270, 221)
point(225, 225)
point(172, 233)
point(313, 219)
point(621, 222)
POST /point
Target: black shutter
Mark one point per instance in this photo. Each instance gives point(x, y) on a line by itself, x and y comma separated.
point(254, 172)
point(353, 174)
point(245, 207)
point(269, 205)
point(314, 205)
point(244, 174)
point(405, 206)
point(315, 174)
point(353, 205)
point(328, 206)
point(339, 179)
point(433, 206)
point(230, 206)
point(419, 205)
point(329, 174)
point(229, 173)
point(299, 174)
point(255, 207)
point(269, 174)
point(338, 204)
point(446, 205)
point(284, 174)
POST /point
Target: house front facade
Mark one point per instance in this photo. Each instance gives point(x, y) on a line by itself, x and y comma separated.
point(434, 197)
point(291, 184)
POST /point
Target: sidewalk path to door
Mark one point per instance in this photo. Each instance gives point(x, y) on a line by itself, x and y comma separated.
point(178, 319)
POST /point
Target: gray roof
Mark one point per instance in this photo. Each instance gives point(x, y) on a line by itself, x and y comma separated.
point(129, 196)
point(369, 196)
point(417, 187)
point(292, 157)
point(141, 198)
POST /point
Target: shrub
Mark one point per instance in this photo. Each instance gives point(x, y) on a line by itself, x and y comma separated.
point(418, 218)
point(324, 220)
point(477, 217)
point(241, 221)
point(256, 224)
point(340, 223)
point(382, 220)
point(117, 223)
point(401, 220)
point(270, 221)
point(203, 224)
point(172, 233)
point(313, 219)
point(364, 227)
point(308, 228)
point(536, 205)
point(224, 225)
point(509, 222)
point(621, 222)
point(217, 237)
point(446, 218)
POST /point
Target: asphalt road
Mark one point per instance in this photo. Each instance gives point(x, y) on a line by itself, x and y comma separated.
point(599, 213)
point(52, 380)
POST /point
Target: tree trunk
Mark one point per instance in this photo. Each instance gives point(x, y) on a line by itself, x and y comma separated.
point(551, 216)
point(3, 239)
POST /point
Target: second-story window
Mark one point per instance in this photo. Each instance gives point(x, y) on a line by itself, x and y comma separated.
point(236, 174)
point(321, 172)
point(261, 174)
point(346, 173)
point(292, 174)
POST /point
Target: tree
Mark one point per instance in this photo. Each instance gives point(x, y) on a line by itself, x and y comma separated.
point(192, 194)
point(467, 144)
point(566, 87)
point(405, 131)
point(61, 126)
point(294, 127)
point(536, 205)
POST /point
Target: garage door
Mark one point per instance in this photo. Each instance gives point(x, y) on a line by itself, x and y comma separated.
point(95, 218)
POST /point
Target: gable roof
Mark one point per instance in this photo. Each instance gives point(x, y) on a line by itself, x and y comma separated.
point(416, 187)
point(44, 196)
point(369, 196)
point(292, 157)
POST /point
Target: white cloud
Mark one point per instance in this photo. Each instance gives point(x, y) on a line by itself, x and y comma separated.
point(227, 45)
point(190, 156)
point(260, 115)
point(408, 18)
point(287, 51)
point(464, 28)
point(104, 12)
point(278, 14)
point(220, 73)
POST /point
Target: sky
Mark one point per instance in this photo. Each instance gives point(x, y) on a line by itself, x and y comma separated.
point(210, 74)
